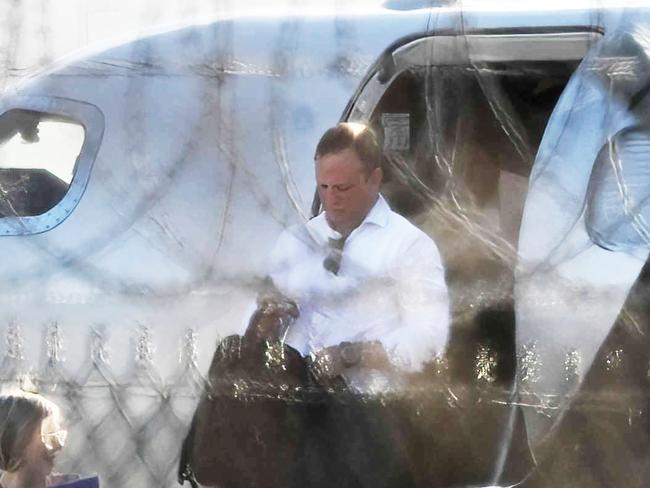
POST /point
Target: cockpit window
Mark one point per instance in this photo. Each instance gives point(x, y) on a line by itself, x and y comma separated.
point(48, 146)
point(38, 156)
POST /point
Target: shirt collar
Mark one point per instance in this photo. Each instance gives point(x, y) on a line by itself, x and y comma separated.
point(378, 215)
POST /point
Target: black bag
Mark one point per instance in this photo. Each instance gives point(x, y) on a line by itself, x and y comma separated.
point(248, 426)
point(270, 419)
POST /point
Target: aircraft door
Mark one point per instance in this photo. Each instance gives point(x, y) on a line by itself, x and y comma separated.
point(460, 118)
point(581, 282)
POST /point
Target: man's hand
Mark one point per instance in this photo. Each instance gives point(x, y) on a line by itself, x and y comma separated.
point(273, 316)
point(365, 354)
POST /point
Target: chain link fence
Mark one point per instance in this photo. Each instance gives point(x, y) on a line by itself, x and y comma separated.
point(129, 430)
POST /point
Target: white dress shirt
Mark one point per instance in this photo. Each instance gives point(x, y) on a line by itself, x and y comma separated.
point(390, 287)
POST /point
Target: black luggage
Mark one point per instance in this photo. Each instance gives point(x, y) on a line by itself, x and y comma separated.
point(247, 427)
point(270, 419)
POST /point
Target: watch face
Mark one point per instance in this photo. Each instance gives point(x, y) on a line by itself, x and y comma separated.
point(350, 354)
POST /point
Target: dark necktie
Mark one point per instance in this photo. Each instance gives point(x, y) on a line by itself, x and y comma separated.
point(332, 262)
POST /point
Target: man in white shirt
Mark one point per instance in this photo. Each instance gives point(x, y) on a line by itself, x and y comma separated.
point(369, 285)
point(363, 294)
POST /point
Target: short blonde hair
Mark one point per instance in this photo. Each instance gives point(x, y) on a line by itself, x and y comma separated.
point(20, 415)
point(351, 135)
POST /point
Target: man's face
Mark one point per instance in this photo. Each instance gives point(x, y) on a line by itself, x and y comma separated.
point(346, 191)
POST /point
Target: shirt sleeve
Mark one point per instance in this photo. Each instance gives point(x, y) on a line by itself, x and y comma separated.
point(295, 264)
point(424, 307)
point(279, 257)
point(286, 260)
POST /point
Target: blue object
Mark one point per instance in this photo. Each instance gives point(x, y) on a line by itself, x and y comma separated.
point(92, 482)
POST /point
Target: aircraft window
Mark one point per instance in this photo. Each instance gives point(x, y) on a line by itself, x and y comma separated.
point(38, 153)
point(48, 146)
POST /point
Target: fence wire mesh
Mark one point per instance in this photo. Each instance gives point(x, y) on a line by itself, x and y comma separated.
point(129, 430)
